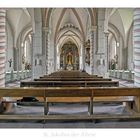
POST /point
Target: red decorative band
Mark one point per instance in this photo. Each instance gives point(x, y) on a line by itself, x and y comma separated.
point(137, 30)
point(137, 42)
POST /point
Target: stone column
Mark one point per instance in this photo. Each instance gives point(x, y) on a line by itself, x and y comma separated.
point(45, 33)
point(2, 46)
point(37, 69)
point(47, 48)
point(106, 51)
point(136, 44)
point(136, 48)
point(92, 48)
point(83, 57)
point(95, 45)
point(55, 58)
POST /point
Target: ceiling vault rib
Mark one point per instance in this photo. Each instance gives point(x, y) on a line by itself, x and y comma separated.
point(79, 21)
point(58, 23)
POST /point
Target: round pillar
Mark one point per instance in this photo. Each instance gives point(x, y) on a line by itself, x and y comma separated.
point(45, 33)
point(136, 43)
point(2, 47)
point(106, 51)
point(92, 48)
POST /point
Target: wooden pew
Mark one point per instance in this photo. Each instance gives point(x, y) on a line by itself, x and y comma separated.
point(85, 92)
point(73, 79)
point(69, 74)
point(69, 83)
point(66, 76)
point(74, 84)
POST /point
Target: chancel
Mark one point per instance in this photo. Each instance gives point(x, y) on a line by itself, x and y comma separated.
point(79, 65)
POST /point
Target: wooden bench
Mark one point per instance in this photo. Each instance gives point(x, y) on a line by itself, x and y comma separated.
point(85, 92)
point(69, 74)
point(73, 79)
point(69, 83)
point(76, 84)
point(64, 76)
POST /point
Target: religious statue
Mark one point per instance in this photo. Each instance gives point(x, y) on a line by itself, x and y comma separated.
point(69, 59)
point(116, 58)
point(27, 66)
point(10, 62)
point(87, 58)
point(23, 59)
point(113, 66)
point(87, 52)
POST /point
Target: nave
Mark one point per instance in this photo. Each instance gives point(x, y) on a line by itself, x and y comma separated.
point(72, 108)
point(73, 58)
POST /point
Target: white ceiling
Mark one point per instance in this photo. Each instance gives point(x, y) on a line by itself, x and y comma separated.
point(18, 19)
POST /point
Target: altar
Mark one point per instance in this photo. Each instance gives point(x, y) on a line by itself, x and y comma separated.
point(69, 57)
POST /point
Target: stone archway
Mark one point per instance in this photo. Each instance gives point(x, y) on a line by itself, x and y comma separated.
point(69, 57)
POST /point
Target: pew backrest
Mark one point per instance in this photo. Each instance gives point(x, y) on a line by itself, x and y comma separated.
point(69, 83)
point(73, 79)
point(69, 92)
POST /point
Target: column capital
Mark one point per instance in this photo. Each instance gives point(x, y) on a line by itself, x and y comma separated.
point(93, 28)
point(106, 33)
point(46, 29)
point(32, 33)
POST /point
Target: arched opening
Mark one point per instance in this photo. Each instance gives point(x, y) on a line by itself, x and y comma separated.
point(26, 52)
point(116, 47)
point(67, 24)
point(69, 57)
point(24, 49)
point(113, 55)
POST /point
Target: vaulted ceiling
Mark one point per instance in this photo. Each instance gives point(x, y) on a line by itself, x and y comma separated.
point(71, 18)
point(69, 23)
point(121, 18)
point(18, 19)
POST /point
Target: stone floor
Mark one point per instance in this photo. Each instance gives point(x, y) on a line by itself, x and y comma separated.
point(80, 109)
point(68, 109)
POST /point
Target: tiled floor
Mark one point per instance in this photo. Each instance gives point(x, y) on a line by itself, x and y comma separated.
point(72, 108)
point(15, 84)
point(124, 83)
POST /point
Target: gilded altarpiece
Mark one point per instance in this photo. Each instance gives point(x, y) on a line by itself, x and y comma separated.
point(69, 57)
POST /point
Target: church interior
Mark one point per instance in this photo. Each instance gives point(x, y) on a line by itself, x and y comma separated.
point(70, 67)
